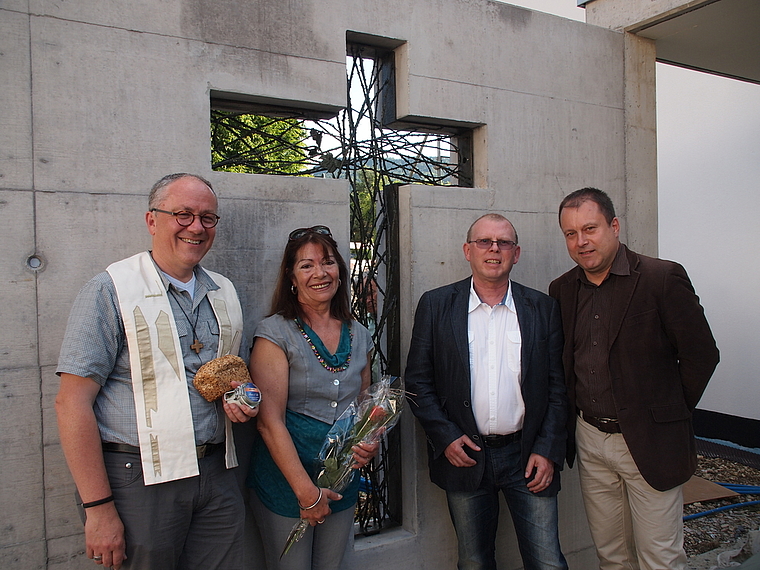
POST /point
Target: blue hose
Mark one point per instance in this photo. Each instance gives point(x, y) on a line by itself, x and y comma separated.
point(743, 489)
point(719, 509)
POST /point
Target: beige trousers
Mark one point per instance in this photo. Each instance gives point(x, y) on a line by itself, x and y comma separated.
point(633, 525)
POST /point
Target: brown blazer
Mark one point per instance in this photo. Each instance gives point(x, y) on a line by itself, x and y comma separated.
point(661, 356)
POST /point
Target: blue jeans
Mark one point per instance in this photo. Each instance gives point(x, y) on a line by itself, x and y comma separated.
point(475, 515)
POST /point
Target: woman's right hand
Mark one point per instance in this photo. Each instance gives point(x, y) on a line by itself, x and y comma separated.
point(316, 515)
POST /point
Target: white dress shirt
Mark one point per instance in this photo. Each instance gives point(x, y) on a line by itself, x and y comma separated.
point(494, 342)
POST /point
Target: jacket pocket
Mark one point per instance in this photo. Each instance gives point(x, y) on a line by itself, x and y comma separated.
point(670, 413)
point(639, 319)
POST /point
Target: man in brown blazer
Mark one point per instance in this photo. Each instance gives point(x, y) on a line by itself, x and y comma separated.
point(638, 355)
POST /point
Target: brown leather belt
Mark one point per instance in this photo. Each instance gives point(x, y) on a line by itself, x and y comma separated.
point(201, 451)
point(496, 440)
point(606, 425)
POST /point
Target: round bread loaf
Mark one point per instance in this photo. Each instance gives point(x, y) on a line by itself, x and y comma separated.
point(213, 378)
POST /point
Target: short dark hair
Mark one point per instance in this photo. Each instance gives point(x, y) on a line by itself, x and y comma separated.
point(156, 195)
point(495, 217)
point(285, 303)
point(575, 199)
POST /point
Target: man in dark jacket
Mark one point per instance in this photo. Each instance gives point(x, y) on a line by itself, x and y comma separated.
point(638, 355)
point(485, 374)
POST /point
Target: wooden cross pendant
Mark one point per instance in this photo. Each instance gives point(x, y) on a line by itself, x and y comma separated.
point(196, 346)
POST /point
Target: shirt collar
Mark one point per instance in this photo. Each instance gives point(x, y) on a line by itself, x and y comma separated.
point(475, 302)
point(203, 279)
point(620, 266)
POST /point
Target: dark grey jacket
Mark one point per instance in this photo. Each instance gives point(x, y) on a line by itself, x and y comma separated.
point(438, 377)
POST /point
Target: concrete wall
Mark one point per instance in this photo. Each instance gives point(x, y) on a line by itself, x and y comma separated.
point(625, 15)
point(101, 98)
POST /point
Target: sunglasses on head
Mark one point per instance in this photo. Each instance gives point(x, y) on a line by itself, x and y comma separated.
point(300, 232)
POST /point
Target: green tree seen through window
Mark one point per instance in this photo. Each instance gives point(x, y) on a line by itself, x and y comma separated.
point(256, 144)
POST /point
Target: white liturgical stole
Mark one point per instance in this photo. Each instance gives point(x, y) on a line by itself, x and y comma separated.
point(159, 383)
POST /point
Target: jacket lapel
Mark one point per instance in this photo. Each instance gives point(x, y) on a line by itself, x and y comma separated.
point(624, 289)
point(568, 303)
point(526, 319)
point(459, 305)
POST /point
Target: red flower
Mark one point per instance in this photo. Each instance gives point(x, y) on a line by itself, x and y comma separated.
point(377, 414)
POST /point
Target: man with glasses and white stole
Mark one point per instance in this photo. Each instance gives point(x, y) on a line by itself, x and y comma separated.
point(150, 457)
point(484, 373)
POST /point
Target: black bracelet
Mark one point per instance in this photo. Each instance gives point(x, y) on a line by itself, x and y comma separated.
point(96, 503)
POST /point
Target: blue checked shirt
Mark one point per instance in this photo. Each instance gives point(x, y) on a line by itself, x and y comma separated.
point(95, 347)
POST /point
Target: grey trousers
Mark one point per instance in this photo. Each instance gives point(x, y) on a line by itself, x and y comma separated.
point(188, 524)
point(321, 548)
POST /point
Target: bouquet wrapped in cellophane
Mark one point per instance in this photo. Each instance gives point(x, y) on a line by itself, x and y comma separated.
point(366, 420)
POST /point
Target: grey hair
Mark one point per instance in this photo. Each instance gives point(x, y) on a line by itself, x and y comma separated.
point(156, 195)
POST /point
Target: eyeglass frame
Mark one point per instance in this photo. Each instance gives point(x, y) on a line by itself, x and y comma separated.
point(480, 243)
point(301, 232)
point(200, 216)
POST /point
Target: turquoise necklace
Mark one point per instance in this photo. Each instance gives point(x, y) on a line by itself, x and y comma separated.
point(337, 362)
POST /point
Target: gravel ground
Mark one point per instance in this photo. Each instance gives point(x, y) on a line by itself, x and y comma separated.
point(706, 537)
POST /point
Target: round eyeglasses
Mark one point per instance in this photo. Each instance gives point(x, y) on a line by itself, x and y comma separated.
point(300, 232)
point(186, 219)
point(484, 243)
